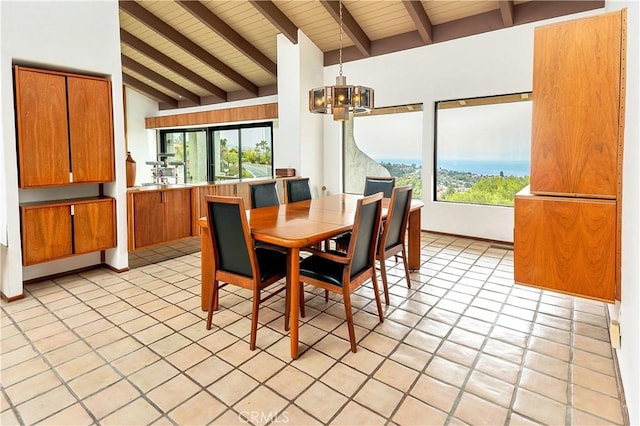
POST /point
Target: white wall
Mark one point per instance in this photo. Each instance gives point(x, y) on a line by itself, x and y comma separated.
point(629, 352)
point(140, 141)
point(82, 37)
point(299, 141)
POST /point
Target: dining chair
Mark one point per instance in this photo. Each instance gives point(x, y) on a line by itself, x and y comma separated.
point(384, 184)
point(263, 194)
point(392, 239)
point(236, 260)
point(345, 272)
point(297, 190)
point(372, 185)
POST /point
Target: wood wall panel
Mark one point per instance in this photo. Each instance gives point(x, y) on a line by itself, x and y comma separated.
point(46, 233)
point(94, 226)
point(227, 115)
point(41, 117)
point(576, 86)
point(567, 245)
point(91, 129)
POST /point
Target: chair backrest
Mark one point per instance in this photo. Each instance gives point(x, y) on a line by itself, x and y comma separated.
point(264, 194)
point(230, 236)
point(374, 184)
point(395, 226)
point(298, 190)
point(364, 237)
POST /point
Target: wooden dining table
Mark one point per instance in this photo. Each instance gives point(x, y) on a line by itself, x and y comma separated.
point(297, 225)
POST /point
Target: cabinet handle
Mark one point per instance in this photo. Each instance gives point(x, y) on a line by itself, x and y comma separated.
point(72, 210)
point(70, 177)
point(164, 197)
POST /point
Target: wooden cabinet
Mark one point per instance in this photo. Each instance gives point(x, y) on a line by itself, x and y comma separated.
point(566, 244)
point(64, 128)
point(567, 229)
point(56, 229)
point(576, 107)
point(158, 216)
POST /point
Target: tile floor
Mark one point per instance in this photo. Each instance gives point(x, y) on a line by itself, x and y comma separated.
point(464, 345)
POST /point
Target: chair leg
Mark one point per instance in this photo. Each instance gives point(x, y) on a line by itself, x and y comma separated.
point(216, 295)
point(301, 299)
point(213, 302)
point(254, 318)
point(349, 315)
point(406, 266)
point(326, 295)
point(385, 287)
point(376, 292)
point(287, 307)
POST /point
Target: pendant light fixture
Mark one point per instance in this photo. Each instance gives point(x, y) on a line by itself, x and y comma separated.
point(342, 98)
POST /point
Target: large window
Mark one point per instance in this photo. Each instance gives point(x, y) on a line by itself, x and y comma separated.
point(220, 153)
point(482, 149)
point(386, 142)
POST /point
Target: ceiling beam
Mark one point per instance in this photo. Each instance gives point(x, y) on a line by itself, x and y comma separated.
point(420, 20)
point(142, 47)
point(159, 79)
point(167, 31)
point(217, 25)
point(530, 11)
point(277, 19)
point(506, 10)
point(350, 26)
point(148, 90)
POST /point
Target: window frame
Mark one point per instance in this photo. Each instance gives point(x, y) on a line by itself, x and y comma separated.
point(525, 96)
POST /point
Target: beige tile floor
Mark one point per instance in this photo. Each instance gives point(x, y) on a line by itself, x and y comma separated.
point(464, 345)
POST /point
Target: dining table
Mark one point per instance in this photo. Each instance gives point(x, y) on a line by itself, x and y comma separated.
point(294, 226)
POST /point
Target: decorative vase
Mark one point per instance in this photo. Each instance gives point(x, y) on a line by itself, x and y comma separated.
point(131, 170)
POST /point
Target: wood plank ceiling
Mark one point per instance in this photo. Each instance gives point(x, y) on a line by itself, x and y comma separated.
point(186, 53)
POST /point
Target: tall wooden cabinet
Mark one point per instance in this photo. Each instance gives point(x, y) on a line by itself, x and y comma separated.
point(65, 128)
point(567, 224)
point(64, 137)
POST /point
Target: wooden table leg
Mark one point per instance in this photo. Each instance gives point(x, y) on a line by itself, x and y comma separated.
point(414, 240)
point(293, 278)
point(206, 268)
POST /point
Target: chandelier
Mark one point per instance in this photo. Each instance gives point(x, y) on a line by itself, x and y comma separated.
point(342, 98)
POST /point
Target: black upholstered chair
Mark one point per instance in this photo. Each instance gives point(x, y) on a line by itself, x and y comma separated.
point(297, 190)
point(374, 184)
point(264, 194)
point(236, 260)
point(345, 272)
point(393, 235)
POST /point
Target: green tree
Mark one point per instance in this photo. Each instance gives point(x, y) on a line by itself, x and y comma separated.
point(493, 190)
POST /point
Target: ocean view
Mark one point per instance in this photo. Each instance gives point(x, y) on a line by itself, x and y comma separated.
point(487, 168)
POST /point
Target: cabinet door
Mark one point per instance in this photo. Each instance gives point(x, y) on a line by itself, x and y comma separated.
point(566, 244)
point(148, 218)
point(178, 214)
point(576, 92)
point(94, 226)
point(41, 118)
point(90, 129)
point(46, 233)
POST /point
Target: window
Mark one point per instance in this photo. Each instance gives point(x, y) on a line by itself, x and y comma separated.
point(386, 142)
point(220, 153)
point(482, 149)
point(188, 147)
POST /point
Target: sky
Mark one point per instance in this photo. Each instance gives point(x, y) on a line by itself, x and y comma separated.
point(485, 133)
point(390, 136)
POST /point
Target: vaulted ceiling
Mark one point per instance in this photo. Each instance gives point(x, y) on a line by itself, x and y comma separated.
point(185, 53)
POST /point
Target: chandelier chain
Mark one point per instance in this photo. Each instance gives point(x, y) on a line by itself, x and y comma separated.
point(340, 38)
